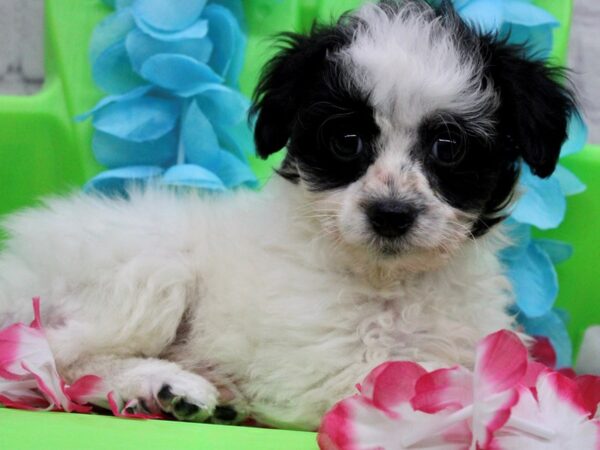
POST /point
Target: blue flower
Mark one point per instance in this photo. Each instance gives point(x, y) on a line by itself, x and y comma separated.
point(530, 262)
point(175, 115)
point(525, 22)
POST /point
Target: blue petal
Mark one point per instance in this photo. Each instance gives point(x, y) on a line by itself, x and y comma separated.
point(223, 104)
point(534, 281)
point(112, 71)
point(139, 119)
point(557, 251)
point(181, 74)
point(116, 182)
point(543, 204)
point(122, 4)
point(140, 47)
point(569, 183)
point(486, 15)
point(578, 136)
point(537, 40)
point(168, 15)
point(521, 13)
point(109, 3)
point(460, 4)
point(199, 140)
point(110, 31)
point(225, 32)
point(234, 172)
point(520, 235)
point(553, 327)
point(135, 93)
point(236, 139)
point(197, 30)
point(236, 7)
point(194, 176)
point(112, 152)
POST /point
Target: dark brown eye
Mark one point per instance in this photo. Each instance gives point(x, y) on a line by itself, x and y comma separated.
point(347, 147)
point(447, 151)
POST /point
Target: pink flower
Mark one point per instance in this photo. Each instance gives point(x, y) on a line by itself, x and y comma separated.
point(29, 378)
point(556, 419)
point(381, 416)
point(507, 402)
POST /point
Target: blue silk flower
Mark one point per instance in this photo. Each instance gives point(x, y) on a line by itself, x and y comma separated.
point(542, 204)
point(174, 114)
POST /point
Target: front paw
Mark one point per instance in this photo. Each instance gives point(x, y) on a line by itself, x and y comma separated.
point(183, 406)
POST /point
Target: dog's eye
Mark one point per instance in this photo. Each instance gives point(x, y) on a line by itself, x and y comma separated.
point(347, 147)
point(448, 150)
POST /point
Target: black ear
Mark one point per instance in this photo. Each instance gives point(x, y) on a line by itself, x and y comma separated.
point(285, 82)
point(535, 105)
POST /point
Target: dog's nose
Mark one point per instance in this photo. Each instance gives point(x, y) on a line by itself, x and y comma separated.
point(391, 219)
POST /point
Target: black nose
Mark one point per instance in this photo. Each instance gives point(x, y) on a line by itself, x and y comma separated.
point(391, 219)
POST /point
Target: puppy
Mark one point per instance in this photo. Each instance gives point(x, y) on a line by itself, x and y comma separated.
point(405, 130)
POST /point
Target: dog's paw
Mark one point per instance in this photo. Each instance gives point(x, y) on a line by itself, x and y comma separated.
point(186, 396)
point(153, 387)
point(185, 405)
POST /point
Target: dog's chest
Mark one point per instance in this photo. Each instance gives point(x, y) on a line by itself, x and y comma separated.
point(283, 314)
point(295, 336)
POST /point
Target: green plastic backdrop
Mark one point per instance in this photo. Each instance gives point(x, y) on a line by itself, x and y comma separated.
point(43, 151)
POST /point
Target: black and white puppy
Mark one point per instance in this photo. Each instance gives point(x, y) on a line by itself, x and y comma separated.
point(405, 131)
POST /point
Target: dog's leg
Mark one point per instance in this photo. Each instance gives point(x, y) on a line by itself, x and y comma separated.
point(155, 385)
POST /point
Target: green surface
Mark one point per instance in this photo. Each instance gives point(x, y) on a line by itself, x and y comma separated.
point(43, 151)
point(23, 430)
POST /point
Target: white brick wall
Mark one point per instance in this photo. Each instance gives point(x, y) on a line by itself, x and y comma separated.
point(21, 46)
point(22, 68)
point(585, 61)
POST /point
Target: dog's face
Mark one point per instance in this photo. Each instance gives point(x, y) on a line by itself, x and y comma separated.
point(406, 127)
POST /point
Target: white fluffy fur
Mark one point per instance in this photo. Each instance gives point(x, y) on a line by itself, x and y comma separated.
point(275, 297)
point(411, 65)
point(271, 305)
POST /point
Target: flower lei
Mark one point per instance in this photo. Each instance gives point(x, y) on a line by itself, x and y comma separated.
point(507, 402)
point(175, 115)
point(543, 204)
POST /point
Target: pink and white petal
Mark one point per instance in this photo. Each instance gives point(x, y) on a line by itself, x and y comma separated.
point(357, 424)
point(394, 384)
point(490, 414)
point(568, 372)
point(501, 363)
point(88, 389)
point(384, 377)
point(337, 430)
point(26, 403)
point(534, 371)
point(49, 384)
point(558, 420)
point(443, 389)
point(20, 343)
point(119, 408)
point(37, 317)
point(21, 394)
point(589, 387)
point(16, 388)
point(543, 351)
point(556, 389)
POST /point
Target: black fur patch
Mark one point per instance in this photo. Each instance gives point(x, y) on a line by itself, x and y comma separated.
point(304, 101)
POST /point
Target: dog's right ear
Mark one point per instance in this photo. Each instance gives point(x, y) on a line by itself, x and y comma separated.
point(285, 82)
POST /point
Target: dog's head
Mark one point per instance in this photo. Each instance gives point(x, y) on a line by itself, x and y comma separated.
point(406, 127)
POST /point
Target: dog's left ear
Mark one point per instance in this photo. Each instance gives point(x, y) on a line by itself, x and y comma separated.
point(535, 105)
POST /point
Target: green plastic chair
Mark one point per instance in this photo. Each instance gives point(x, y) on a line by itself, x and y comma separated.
point(43, 151)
